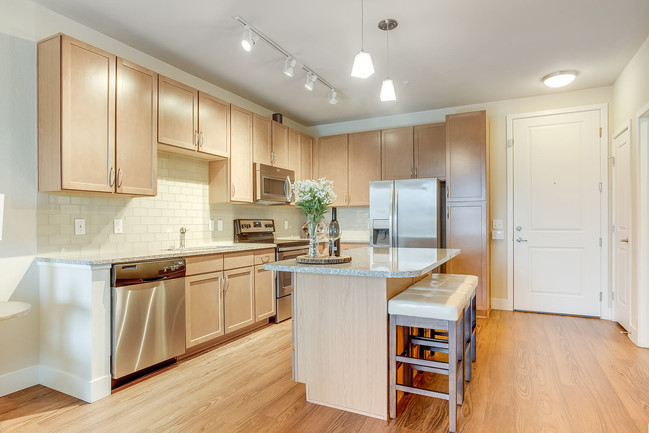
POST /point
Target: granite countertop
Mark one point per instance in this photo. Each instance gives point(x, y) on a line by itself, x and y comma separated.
point(376, 262)
point(98, 258)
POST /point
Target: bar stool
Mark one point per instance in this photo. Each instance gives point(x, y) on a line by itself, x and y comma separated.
point(423, 307)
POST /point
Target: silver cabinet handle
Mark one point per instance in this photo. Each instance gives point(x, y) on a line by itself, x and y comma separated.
point(197, 137)
point(520, 239)
point(227, 283)
point(121, 178)
point(234, 189)
point(111, 177)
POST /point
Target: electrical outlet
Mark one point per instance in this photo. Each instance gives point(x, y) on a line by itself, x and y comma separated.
point(80, 226)
point(285, 224)
point(219, 225)
point(211, 226)
point(497, 224)
point(118, 226)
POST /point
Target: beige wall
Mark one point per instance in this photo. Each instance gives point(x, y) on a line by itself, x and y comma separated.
point(497, 113)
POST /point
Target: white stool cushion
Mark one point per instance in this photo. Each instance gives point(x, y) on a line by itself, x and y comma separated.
point(427, 303)
point(451, 282)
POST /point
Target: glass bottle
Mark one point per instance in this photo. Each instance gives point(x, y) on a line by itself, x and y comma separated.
point(333, 233)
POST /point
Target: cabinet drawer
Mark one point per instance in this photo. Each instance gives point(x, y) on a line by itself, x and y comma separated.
point(204, 264)
point(238, 260)
point(264, 256)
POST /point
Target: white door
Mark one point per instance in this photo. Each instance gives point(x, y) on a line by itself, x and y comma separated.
point(556, 182)
point(622, 226)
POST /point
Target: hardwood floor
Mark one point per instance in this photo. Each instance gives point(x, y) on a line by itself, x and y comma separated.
point(535, 373)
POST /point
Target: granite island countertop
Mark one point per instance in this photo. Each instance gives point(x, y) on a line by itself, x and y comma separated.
point(376, 262)
point(92, 258)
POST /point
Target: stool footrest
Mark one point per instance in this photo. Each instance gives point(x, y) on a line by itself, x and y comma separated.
point(430, 342)
point(429, 369)
point(421, 391)
point(424, 362)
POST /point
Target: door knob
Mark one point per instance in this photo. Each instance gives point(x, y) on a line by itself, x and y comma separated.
point(520, 239)
point(625, 240)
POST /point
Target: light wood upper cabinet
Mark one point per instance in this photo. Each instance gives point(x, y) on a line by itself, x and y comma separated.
point(280, 145)
point(364, 166)
point(466, 150)
point(177, 114)
point(231, 180)
point(306, 152)
point(239, 306)
point(136, 146)
point(203, 308)
point(430, 150)
point(398, 154)
point(294, 152)
point(213, 125)
point(261, 139)
point(333, 164)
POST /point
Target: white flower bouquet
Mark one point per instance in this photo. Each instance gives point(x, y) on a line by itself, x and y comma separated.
point(313, 197)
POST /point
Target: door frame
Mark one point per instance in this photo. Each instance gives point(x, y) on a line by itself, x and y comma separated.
point(613, 200)
point(642, 228)
point(605, 304)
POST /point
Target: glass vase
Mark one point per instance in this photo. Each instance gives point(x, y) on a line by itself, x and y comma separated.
point(313, 238)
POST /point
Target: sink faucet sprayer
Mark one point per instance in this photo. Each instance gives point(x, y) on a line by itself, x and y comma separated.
point(183, 231)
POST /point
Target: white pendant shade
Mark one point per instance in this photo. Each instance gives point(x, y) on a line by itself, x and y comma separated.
point(363, 66)
point(559, 79)
point(387, 91)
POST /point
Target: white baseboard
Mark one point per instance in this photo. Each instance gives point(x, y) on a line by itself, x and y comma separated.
point(18, 380)
point(75, 386)
point(500, 304)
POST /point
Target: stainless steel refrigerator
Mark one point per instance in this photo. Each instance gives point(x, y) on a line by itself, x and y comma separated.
point(406, 213)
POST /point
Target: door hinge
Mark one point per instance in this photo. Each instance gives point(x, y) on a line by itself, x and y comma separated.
point(600, 132)
point(613, 228)
point(600, 242)
point(612, 161)
point(600, 187)
point(510, 142)
point(612, 296)
point(600, 296)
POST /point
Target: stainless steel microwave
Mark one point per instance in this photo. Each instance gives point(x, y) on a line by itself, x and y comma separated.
point(273, 185)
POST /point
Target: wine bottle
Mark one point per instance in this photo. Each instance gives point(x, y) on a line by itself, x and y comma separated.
point(334, 233)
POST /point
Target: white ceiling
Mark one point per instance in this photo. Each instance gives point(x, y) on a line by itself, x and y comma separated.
point(451, 52)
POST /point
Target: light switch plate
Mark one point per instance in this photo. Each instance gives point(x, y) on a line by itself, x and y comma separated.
point(497, 225)
point(285, 224)
point(80, 226)
point(498, 234)
point(211, 225)
point(118, 226)
point(219, 225)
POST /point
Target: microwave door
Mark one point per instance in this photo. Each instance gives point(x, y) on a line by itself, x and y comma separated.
point(273, 188)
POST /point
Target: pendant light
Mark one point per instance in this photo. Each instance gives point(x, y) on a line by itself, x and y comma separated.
point(363, 66)
point(387, 88)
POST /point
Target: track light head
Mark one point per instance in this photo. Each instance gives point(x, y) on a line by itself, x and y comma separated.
point(249, 39)
point(311, 78)
point(333, 97)
point(289, 66)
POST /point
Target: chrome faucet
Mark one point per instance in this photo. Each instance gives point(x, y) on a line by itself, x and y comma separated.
point(183, 231)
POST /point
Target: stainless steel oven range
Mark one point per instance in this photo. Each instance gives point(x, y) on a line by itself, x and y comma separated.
point(263, 231)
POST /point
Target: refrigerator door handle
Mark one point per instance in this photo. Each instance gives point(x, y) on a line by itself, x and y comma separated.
point(395, 211)
point(390, 225)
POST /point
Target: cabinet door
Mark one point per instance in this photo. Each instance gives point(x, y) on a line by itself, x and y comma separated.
point(306, 152)
point(264, 293)
point(279, 156)
point(87, 117)
point(466, 149)
point(294, 152)
point(397, 153)
point(241, 183)
point(239, 298)
point(203, 308)
point(364, 165)
point(332, 164)
point(213, 125)
point(177, 114)
point(261, 139)
point(430, 151)
point(136, 147)
point(466, 229)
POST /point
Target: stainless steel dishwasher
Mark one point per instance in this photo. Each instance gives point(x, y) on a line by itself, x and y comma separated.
point(148, 315)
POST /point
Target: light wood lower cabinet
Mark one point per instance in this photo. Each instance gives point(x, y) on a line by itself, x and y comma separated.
point(264, 293)
point(238, 299)
point(203, 308)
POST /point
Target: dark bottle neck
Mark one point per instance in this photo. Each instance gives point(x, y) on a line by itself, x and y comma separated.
point(334, 214)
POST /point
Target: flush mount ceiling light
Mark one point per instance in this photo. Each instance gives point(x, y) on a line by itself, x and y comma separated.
point(249, 39)
point(251, 35)
point(289, 66)
point(363, 66)
point(333, 97)
point(559, 79)
point(311, 78)
point(387, 88)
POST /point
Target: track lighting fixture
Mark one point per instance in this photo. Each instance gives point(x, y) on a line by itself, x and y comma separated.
point(387, 88)
point(289, 66)
point(311, 78)
point(333, 97)
point(249, 39)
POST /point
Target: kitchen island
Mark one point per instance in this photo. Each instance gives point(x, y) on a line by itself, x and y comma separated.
point(340, 323)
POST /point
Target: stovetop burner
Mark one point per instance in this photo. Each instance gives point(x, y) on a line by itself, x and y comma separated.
point(263, 231)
